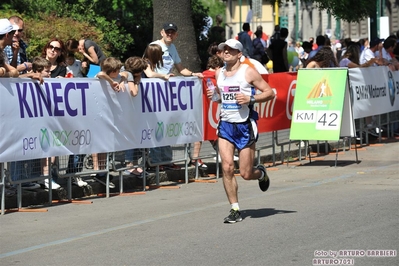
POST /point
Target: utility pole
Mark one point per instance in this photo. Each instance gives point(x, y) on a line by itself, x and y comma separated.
point(296, 20)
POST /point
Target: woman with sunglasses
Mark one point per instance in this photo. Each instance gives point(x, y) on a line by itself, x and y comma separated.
point(54, 51)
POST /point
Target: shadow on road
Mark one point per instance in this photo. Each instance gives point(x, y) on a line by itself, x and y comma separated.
point(261, 213)
point(331, 163)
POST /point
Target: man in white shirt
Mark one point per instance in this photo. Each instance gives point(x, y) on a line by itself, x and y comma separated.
point(369, 53)
point(170, 55)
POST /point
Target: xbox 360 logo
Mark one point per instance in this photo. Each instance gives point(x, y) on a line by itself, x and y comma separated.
point(44, 139)
point(159, 131)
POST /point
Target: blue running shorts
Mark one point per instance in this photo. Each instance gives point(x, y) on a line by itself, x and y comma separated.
point(242, 135)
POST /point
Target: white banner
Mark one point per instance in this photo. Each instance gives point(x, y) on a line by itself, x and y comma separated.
point(82, 115)
point(374, 91)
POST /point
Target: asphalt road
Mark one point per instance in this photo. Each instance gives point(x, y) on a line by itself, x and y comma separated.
point(309, 213)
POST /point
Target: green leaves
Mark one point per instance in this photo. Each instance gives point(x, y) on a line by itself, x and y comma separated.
point(348, 10)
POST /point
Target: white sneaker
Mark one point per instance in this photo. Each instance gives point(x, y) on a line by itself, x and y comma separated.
point(54, 185)
point(77, 180)
point(220, 159)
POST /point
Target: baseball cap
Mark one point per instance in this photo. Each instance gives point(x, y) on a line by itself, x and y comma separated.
point(6, 27)
point(375, 42)
point(232, 43)
point(169, 26)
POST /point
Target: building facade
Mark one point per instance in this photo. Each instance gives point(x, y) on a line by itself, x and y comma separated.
point(311, 21)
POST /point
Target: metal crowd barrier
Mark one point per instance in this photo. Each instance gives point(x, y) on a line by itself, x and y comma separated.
point(17, 173)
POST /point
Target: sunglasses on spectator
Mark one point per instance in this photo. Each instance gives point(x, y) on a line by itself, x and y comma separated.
point(57, 49)
point(20, 30)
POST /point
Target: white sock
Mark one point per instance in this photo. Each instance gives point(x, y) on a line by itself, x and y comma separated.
point(235, 206)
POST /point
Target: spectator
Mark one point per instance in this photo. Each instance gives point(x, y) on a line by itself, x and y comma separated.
point(170, 56)
point(133, 69)
point(16, 53)
point(88, 48)
point(245, 39)
point(396, 50)
point(307, 48)
point(218, 33)
point(351, 57)
point(345, 44)
point(314, 45)
point(259, 52)
point(277, 52)
point(276, 34)
point(385, 53)
point(369, 53)
point(7, 32)
point(320, 41)
point(338, 51)
point(110, 71)
point(322, 59)
point(42, 67)
point(75, 67)
point(54, 51)
point(170, 59)
point(153, 58)
point(264, 38)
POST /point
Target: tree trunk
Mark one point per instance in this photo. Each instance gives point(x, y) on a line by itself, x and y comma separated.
point(178, 12)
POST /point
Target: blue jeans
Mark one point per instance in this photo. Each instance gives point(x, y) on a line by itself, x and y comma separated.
point(161, 154)
point(75, 163)
point(21, 170)
point(132, 155)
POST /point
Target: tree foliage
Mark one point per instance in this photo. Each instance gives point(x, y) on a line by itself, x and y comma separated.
point(121, 27)
point(348, 10)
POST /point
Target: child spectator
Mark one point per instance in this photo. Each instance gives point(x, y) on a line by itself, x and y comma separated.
point(75, 67)
point(110, 68)
point(153, 57)
point(134, 67)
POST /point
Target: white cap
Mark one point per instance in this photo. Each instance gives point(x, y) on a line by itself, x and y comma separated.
point(232, 43)
point(6, 27)
point(338, 45)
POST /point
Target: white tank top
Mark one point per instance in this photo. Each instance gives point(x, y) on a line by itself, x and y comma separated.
point(230, 110)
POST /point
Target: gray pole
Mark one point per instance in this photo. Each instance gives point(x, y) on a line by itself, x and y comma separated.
point(297, 20)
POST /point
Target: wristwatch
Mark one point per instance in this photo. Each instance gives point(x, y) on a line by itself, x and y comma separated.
point(252, 100)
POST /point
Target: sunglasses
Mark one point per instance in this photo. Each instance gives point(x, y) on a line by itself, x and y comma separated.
point(20, 30)
point(57, 49)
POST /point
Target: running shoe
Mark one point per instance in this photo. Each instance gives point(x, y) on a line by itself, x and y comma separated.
point(264, 183)
point(234, 216)
point(77, 180)
point(46, 184)
point(30, 186)
point(103, 180)
point(200, 164)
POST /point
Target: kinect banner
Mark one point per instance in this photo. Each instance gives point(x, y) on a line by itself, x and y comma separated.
point(83, 115)
point(374, 91)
